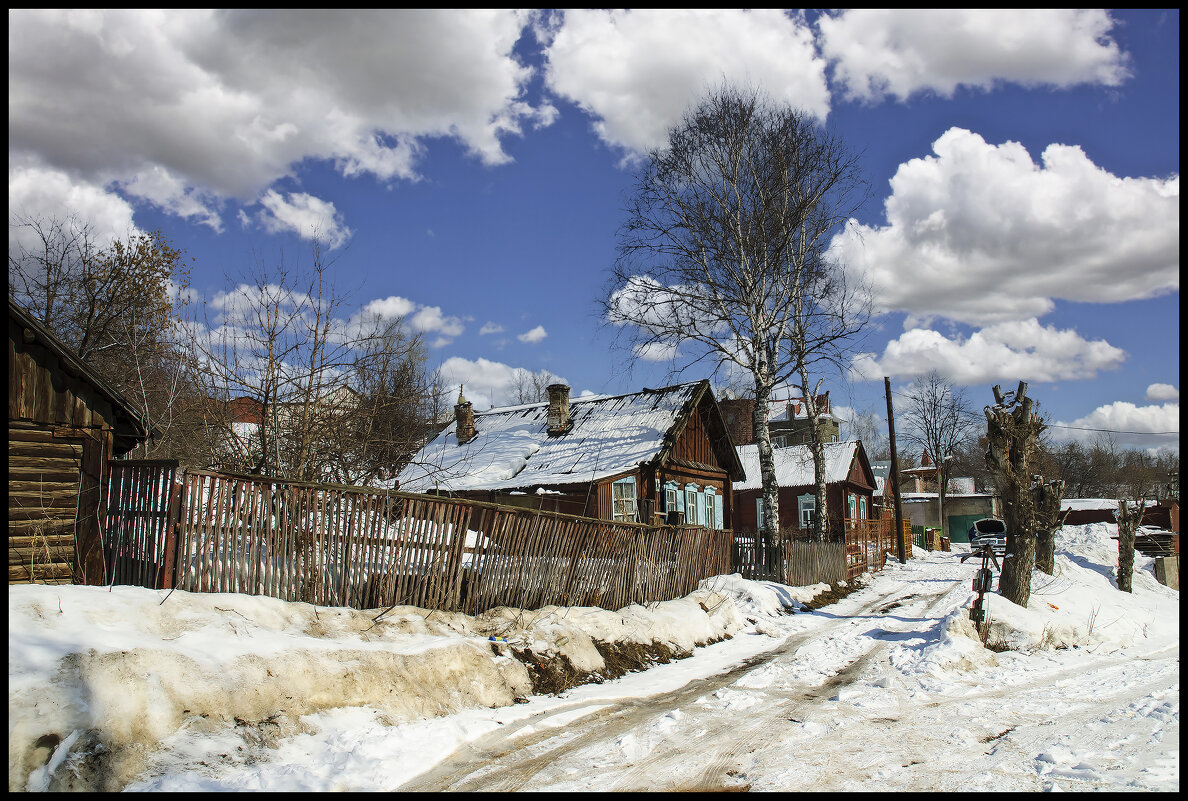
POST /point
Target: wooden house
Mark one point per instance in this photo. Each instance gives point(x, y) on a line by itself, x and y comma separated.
point(849, 487)
point(658, 455)
point(64, 423)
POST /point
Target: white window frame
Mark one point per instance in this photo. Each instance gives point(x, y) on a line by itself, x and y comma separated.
point(691, 505)
point(713, 509)
point(863, 509)
point(673, 498)
point(852, 502)
point(758, 513)
point(806, 510)
point(624, 509)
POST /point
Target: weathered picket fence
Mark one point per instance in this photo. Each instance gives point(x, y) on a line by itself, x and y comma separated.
point(367, 548)
point(863, 546)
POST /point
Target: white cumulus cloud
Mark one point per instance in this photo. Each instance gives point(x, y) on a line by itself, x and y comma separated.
point(186, 107)
point(533, 336)
point(1149, 428)
point(1162, 392)
point(490, 328)
point(980, 233)
point(486, 383)
point(1011, 351)
point(41, 193)
point(307, 216)
point(901, 52)
point(422, 319)
point(635, 71)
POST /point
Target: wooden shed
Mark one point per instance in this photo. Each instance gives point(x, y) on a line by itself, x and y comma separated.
point(654, 456)
point(64, 423)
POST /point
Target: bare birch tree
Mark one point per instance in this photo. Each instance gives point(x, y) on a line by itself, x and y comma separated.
point(940, 419)
point(722, 260)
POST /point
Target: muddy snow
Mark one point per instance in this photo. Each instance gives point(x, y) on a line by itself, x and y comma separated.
point(746, 687)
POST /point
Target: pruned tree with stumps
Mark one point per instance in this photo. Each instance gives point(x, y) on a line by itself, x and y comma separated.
point(1013, 431)
point(1129, 515)
point(1046, 499)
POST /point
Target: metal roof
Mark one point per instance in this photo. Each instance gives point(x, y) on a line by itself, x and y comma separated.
point(512, 448)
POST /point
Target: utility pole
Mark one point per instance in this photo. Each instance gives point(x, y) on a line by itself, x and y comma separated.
point(894, 477)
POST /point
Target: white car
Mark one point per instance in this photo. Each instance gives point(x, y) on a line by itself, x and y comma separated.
point(988, 530)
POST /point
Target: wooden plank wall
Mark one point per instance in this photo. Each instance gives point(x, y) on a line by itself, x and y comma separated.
point(59, 440)
point(43, 492)
point(359, 547)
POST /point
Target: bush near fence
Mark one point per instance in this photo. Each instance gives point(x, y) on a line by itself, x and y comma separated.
point(367, 548)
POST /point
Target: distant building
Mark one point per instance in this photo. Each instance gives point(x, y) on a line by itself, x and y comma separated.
point(787, 419)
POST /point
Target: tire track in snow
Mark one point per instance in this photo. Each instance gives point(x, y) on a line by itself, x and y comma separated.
point(500, 760)
point(740, 737)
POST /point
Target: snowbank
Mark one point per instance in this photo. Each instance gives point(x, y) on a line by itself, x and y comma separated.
point(1065, 609)
point(98, 677)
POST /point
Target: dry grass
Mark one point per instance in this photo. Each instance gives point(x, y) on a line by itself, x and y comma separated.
point(552, 674)
point(834, 594)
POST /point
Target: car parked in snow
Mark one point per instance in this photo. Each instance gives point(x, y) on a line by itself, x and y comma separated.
point(988, 530)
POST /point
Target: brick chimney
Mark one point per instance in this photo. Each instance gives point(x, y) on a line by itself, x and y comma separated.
point(464, 415)
point(559, 421)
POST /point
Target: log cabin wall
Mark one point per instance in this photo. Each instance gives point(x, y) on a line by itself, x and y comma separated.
point(60, 435)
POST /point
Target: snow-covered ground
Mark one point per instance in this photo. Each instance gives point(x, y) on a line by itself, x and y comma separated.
point(889, 688)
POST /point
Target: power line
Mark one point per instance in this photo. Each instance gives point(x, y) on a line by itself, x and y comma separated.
point(1113, 431)
point(1083, 428)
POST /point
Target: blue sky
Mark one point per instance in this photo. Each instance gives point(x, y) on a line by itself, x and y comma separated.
point(471, 170)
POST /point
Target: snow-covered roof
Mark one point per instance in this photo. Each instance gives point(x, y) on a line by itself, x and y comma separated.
point(794, 464)
point(512, 448)
point(1087, 504)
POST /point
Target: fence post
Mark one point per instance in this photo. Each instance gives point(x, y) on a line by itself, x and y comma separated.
point(170, 548)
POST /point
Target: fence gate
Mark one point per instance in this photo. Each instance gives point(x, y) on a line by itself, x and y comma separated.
point(142, 505)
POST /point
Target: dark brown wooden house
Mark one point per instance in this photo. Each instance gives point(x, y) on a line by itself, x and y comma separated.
point(850, 486)
point(64, 423)
point(659, 455)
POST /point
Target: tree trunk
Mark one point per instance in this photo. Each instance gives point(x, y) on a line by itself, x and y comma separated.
point(817, 446)
point(1013, 434)
point(1047, 498)
point(769, 523)
point(1128, 520)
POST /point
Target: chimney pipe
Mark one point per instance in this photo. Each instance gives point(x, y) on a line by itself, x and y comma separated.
point(559, 422)
point(464, 415)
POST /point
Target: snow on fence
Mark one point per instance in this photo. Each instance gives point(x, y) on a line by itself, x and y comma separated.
point(368, 548)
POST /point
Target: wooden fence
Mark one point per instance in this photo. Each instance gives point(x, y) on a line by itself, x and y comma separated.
point(366, 548)
point(863, 545)
point(137, 524)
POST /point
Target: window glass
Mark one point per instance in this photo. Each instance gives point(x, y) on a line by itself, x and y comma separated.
point(691, 504)
point(623, 502)
point(853, 501)
point(758, 513)
point(713, 508)
point(807, 507)
point(702, 516)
